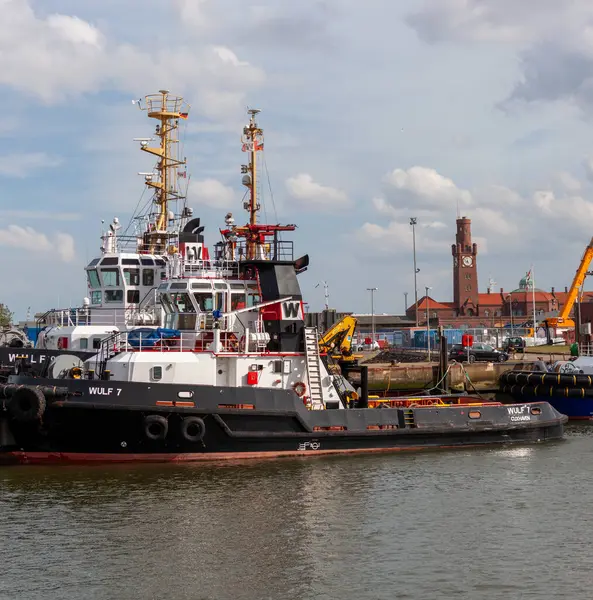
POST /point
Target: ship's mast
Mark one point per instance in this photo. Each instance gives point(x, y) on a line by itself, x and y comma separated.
point(261, 239)
point(253, 143)
point(167, 109)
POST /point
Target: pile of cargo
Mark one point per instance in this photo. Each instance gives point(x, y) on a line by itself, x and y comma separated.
point(398, 355)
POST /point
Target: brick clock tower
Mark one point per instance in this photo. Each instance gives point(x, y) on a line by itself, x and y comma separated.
point(465, 270)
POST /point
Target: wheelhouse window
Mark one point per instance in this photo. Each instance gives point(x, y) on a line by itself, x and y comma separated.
point(96, 297)
point(205, 302)
point(110, 277)
point(167, 304)
point(133, 296)
point(93, 278)
point(132, 276)
point(148, 277)
point(237, 301)
point(252, 299)
point(114, 295)
point(182, 302)
point(110, 260)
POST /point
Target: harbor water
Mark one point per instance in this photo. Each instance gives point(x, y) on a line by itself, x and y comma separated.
point(504, 523)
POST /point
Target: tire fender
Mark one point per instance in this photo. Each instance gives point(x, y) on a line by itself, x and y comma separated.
point(193, 429)
point(27, 404)
point(156, 427)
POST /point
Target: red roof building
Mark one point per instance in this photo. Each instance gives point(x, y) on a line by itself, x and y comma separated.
point(473, 308)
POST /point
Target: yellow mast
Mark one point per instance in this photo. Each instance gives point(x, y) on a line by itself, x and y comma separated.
point(167, 109)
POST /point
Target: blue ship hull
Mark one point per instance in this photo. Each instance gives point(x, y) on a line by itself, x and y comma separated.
point(573, 408)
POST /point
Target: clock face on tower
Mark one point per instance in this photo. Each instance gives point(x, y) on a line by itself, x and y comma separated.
point(467, 261)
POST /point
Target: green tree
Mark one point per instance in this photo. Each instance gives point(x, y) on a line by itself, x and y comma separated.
point(5, 316)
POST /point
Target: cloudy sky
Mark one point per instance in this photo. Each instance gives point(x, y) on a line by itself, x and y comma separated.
point(373, 112)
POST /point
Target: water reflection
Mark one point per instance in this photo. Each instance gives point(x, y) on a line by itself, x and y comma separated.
point(465, 524)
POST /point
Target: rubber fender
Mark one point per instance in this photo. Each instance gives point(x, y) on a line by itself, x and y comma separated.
point(193, 429)
point(584, 380)
point(575, 392)
point(522, 378)
point(156, 427)
point(26, 404)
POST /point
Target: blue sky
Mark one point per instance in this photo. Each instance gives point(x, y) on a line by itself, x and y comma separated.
point(372, 113)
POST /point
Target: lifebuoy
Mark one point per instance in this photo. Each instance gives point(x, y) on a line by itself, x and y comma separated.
point(156, 427)
point(299, 388)
point(27, 404)
point(193, 429)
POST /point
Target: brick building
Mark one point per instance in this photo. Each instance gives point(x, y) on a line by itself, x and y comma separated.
point(473, 308)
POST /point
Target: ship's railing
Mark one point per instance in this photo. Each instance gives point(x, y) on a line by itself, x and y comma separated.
point(73, 317)
point(135, 243)
point(586, 349)
point(207, 268)
point(85, 316)
point(173, 104)
point(281, 250)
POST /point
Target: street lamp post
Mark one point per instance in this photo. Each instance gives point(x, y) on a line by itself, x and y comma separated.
point(426, 288)
point(413, 222)
point(405, 302)
point(372, 290)
point(510, 299)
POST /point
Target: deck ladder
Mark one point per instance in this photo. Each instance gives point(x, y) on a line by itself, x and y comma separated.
point(409, 420)
point(313, 367)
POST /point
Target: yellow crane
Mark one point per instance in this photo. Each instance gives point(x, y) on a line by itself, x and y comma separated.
point(563, 320)
point(337, 340)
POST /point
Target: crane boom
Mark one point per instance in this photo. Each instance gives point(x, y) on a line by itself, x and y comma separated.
point(339, 338)
point(577, 282)
point(563, 319)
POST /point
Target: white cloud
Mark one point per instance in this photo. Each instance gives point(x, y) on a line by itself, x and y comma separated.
point(211, 192)
point(493, 222)
point(588, 165)
point(568, 181)
point(428, 185)
point(26, 165)
point(553, 39)
point(30, 240)
point(193, 13)
point(46, 215)
point(543, 199)
point(314, 195)
point(60, 56)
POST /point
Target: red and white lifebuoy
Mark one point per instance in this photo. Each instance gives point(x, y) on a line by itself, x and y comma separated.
point(299, 388)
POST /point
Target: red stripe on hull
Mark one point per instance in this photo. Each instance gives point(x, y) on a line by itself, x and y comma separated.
point(49, 458)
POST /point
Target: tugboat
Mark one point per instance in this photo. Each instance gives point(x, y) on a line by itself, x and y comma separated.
point(123, 279)
point(233, 372)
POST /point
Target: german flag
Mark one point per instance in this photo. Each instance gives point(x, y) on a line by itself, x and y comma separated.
point(183, 115)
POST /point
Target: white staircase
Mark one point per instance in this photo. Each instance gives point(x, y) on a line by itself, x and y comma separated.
point(313, 368)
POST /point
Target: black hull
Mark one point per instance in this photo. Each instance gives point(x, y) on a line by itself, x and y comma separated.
point(80, 426)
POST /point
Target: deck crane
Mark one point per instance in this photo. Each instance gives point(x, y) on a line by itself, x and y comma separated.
point(563, 321)
point(337, 340)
